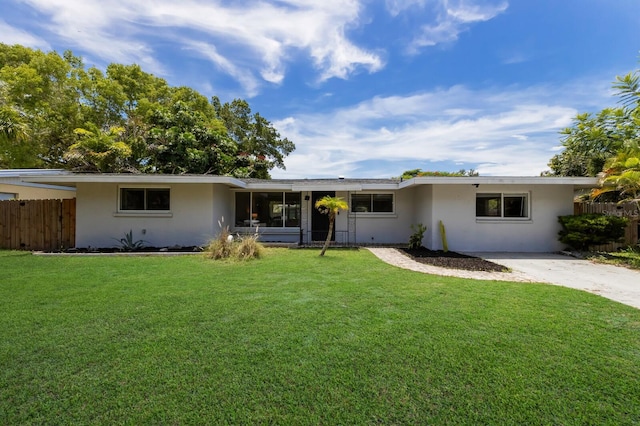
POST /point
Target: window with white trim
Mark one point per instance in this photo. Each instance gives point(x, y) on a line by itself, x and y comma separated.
point(371, 203)
point(502, 205)
point(145, 199)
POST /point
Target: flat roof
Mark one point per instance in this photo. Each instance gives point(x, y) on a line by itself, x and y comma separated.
point(74, 178)
point(577, 182)
point(71, 179)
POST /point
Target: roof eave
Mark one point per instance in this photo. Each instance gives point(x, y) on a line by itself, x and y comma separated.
point(74, 179)
point(576, 182)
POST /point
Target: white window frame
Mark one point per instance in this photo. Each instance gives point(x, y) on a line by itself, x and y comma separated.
point(502, 217)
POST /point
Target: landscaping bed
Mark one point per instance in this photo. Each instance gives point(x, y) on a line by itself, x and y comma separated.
point(452, 260)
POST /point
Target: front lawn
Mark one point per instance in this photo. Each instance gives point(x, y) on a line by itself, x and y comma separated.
point(296, 338)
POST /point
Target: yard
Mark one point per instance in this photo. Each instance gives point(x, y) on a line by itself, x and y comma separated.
point(299, 339)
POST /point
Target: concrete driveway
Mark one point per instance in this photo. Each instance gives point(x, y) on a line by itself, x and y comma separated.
point(613, 282)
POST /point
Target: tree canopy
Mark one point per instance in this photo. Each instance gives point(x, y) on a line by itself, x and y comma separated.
point(56, 112)
point(593, 139)
point(408, 174)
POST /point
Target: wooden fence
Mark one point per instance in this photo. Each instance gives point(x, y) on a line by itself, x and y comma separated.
point(628, 210)
point(37, 224)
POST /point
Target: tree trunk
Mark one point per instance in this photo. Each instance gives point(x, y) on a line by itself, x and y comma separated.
point(328, 240)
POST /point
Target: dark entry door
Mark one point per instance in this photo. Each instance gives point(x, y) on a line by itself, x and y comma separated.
point(320, 221)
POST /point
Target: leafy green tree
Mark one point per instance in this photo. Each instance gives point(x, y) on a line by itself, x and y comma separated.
point(55, 112)
point(260, 147)
point(14, 150)
point(183, 140)
point(98, 151)
point(408, 174)
point(40, 88)
point(594, 138)
point(622, 175)
point(331, 206)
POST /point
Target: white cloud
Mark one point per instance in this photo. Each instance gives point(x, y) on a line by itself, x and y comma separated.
point(395, 7)
point(453, 18)
point(508, 131)
point(252, 42)
point(12, 35)
point(255, 37)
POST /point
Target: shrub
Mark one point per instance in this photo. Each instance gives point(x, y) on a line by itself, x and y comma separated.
point(583, 231)
point(248, 247)
point(415, 240)
point(221, 246)
point(225, 246)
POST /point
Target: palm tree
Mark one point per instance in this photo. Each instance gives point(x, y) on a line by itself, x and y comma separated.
point(331, 206)
point(622, 174)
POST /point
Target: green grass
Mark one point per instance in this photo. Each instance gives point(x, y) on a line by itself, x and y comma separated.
point(629, 258)
point(299, 339)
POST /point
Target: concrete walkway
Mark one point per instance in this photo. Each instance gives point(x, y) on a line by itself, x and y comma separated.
point(613, 282)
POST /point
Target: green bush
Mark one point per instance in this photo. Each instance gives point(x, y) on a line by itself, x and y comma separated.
point(583, 231)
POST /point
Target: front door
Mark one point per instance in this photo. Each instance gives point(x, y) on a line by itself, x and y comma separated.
point(320, 221)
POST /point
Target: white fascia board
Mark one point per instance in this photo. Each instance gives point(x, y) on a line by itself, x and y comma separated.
point(380, 187)
point(577, 182)
point(14, 173)
point(265, 186)
point(39, 185)
point(325, 187)
point(135, 179)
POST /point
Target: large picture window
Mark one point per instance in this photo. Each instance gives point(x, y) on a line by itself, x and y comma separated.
point(142, 199)
point(267, 209)
point(499, 205)
point(371, 203)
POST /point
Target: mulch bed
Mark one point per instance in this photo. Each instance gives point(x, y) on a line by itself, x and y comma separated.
point(175, 249)
point(452, 260)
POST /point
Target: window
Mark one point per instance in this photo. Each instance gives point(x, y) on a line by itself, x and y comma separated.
point(500, 205)
point(8, 196)
point(156, 199)
point(371, 203)
point(268, 209)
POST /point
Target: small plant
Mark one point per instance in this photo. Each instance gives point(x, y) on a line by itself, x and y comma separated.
point(415, 240)
point(129, 244)
point(583, 231)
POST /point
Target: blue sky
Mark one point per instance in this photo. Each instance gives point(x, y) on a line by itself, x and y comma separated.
point(368, 88)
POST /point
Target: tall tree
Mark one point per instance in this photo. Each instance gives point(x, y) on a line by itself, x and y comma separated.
point(594, 138)
point(54, 112)
point(408, 174)
point(331, 206)
point(183, 140)
point(260, 147)
point(40, 88)
point(15, 151)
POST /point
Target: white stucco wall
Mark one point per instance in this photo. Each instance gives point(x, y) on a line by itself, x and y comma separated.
point(423, 205)
point(455, 206)
point(386, 228)
point(193, 219)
